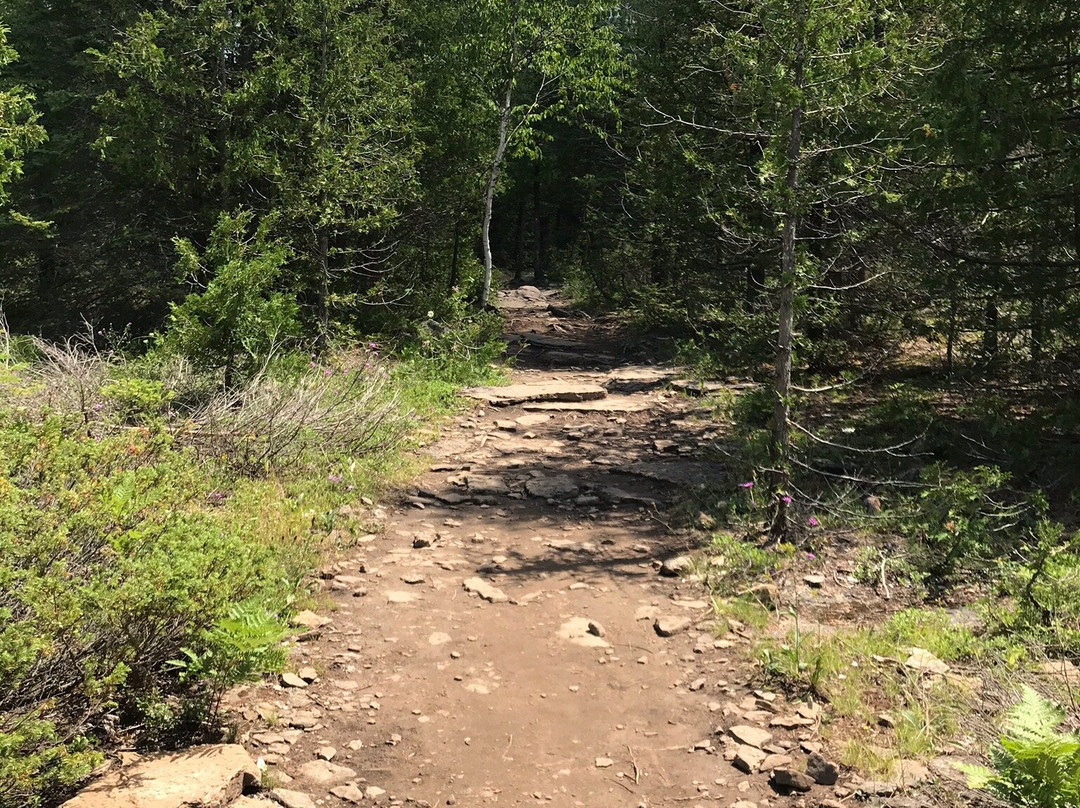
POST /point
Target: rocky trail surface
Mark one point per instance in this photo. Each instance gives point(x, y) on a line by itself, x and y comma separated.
point(524, 632)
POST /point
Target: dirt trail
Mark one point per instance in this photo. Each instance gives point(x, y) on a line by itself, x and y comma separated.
point(430, 694)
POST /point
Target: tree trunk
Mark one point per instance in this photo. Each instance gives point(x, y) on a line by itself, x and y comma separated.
point(324, 290)
point(496, 162)
point(457, 254)
point(489, 193)
point(519, 255)
point(538, 235)
point(780, 444)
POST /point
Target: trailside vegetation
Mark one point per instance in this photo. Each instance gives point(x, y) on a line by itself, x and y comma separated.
point(244, 242)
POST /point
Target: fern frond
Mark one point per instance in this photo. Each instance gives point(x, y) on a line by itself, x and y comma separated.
point(1034, 719)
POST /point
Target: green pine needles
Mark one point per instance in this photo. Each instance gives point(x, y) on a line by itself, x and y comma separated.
point(1035, 765)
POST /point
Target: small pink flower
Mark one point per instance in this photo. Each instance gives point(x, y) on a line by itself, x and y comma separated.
point(746, 485)
point(811, 556)
point(786, 500)
point(812, 521)
point(334, 478)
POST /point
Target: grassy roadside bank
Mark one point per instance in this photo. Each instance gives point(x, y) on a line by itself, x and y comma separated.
point(927, 597)
point(157, 532)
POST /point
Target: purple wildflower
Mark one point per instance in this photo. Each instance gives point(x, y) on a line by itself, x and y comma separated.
point(785, 499)
point(746, 485)
point(335, 478)
point(99, 407)
point(811, 556)
point(812, 521)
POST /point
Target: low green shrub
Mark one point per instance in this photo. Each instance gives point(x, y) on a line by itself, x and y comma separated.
point(107, 571)
point(1035, 765)
point(963, 522)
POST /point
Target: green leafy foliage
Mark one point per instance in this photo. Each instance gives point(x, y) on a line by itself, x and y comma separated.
point(963, 521)
point(240, 647)
point(20, 130)
point(1034, 764)
point(106, 572)
point(242, 316)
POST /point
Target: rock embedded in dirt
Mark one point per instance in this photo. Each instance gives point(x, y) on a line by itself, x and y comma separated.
point(596, 629)
point(791, 721)
point(674, 567)
point(748, 758)
point(200, 777)
point(293, 680)
point(348, 793)
point(765, 594)
point(669, 626)
point(925, 662)
point(485, 590)
point(555, 487)
point(374, 792)
point(788, 780)
point(292, 799)
point(400, 598)
point(422, 540)
point(604, 762)
point(326, 753)
point(309, 620)
point(325, 773)
point(531, 393)
point(877, 788)
point(775, 761)
point(486, 484)
point(814, 581)
point(750, 736)
point(308, 674)
point(823, 772)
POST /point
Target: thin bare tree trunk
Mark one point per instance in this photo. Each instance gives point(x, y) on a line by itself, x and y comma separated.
point(489, 192)
point(780, 444)
point(496, 162)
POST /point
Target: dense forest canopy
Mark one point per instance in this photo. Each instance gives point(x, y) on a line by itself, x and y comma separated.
point(641, 150)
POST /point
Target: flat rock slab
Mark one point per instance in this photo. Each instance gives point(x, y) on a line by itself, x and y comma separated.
point(694, 473)
point(611, 404)
point(325, 773)
point(201, 777)
point(545, 341)
point(552, 487)
point(577, 359)
point(486, 484)
point(578, 631)
point(636, 379)
point(485, 590)
point(529, 393)
point(694, 388)
point(750, 736)
point(292, 799)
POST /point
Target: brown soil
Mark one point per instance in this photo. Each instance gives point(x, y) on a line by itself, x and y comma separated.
point(435, 696)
